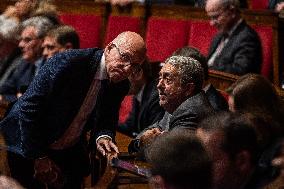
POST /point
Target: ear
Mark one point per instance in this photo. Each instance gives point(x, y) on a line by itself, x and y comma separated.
point(68, 46)
point(108, 48)
point(243, 162)
point(157, 182)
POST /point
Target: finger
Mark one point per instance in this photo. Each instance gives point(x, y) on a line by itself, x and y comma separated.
point(106, 145)
point(113, 146)
point(101, 149)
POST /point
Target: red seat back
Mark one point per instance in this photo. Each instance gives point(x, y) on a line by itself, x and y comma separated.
point(118, 24)
point(259, 4)
point(125, 108)
point(266, 36)
point(201, 35)
point(164, 36)
point(87, 26)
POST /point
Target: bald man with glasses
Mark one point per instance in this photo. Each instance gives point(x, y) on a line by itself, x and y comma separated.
point(236, 48)
point(76, 91)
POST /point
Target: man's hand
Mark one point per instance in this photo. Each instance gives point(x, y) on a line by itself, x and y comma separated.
point(48, 172)
point(106, 146)
point(148, 136)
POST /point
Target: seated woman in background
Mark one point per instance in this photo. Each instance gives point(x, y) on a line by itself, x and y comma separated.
point(254, 94)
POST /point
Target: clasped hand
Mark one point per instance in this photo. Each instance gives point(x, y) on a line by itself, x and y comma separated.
point(106, 146)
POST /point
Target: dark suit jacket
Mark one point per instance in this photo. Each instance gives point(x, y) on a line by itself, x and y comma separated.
point(242, 54)
point(53, 99)
point(273, 3)
point(187, 115)
point(217, 101)
point(144, 114)
point(22, 76)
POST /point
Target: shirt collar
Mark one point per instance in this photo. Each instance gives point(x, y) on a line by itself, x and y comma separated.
point(234, 27)
point(101, 73)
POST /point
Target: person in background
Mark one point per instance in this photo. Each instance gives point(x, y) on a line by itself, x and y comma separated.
point(60, 39)
point(236, 48)
point(10, 29)
point(34, 30)
point(179, 161)
point(276, 5)
point(254, 94)
point(231, 143)
point(45, 130)
point(146, 109)
point(218, 102)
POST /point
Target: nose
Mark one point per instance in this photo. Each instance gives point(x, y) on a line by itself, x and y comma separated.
point(160, 84)
point(21, 44)
point(45, 53)
point(212, 22)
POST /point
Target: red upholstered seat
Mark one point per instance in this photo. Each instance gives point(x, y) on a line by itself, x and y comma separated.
point(87, 26)
point(201, 35)
point(259, 4)
point(164, 36)
point(118, 24)
point(266, 36)
point(125, 108)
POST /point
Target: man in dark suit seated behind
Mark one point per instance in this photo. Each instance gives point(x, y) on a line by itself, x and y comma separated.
point(182, 97)
point(236, 48)
point(146, 109)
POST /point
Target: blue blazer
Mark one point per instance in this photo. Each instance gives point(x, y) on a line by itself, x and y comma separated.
point(53, 99)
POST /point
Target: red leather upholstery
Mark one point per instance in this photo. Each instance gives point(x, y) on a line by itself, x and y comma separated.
point(87, 26)
point(118, 24)
point(164, 36)
point(266, 36)
point(201, 35)
point(259, 4)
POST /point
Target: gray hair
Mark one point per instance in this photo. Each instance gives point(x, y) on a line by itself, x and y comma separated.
point(189, 70)
point(41, 24)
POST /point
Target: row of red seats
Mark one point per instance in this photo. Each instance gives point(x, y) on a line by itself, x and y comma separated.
point(163, 36)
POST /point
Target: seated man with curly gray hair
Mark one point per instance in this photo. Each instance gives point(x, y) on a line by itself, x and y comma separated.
point(181, 95)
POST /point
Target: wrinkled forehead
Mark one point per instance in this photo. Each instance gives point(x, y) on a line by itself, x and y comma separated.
point(168, 70)
point(133, 46)
point(213, 6)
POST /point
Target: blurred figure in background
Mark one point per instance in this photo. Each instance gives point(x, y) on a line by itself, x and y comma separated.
point(60, 39)
point(34, 30)
point(179, 161)
point(231, 143)
point(146, 109)
point(236, 48)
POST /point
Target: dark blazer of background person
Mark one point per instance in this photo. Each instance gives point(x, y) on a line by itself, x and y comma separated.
point(273, 3)
point(242, 54)
point(144, 114)
point(51, 102)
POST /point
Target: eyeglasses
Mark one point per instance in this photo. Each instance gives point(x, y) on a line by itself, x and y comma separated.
point(125, 58)
point(27, 39)
point(217, 16)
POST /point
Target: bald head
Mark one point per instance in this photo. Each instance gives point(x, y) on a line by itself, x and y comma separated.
point(223, 14)
point(133, 44)
point(123, 55)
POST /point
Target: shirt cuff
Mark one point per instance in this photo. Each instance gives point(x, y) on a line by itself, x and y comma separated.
point(103, 136)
